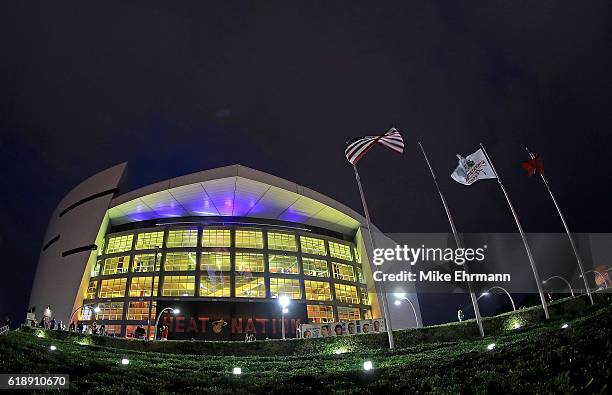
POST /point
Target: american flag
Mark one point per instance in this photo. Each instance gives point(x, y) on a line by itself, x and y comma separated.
point(357, 148)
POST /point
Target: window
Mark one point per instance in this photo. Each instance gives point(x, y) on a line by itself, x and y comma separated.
point(247, 262)
point(141, 287)
point(110, 311)
point(215, 286)
point(250, 287)
point(249, 239)
point(320, 313)
point(360, 277)
point(182, 238)
point(180, 261)
point(178, 286)
point(113, 330)
point(342, 251)
point(92, 288)
point(287, 264)
point(143, 263)
point(87, 312)
point(348, 313)
point(116, 265)
point(216, 238)
point(139, 311)
point(357, 255)
point(119, 244)
point(113, 288)
point(95, 270)
point(317, 290)
point(346, 293)
point(312, 246)
point(343, 272)
point(215, 261)
point(285, 286)
point(150, 240)
point(281, 241)
point(315, 267)
point(365, 296)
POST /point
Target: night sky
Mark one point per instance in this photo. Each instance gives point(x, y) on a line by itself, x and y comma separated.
point(174, 88)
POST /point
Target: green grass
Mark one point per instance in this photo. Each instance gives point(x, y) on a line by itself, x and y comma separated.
point(539, 358)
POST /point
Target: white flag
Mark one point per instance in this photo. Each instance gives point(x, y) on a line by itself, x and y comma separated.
point(473, 168)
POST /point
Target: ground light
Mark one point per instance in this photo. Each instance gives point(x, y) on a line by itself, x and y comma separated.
point(367, 365)
point(516, 325)
point(491, 347)
point(564, 326)
point(237, 371)
point(339, 351)
point(52, 348)
point(125, 361)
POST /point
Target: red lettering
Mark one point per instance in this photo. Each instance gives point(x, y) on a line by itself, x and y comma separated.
point(168, 321)
point(250, 326)
point(193, 326)
point(180, 324)
point(236, 325)
point(203, 320)
point(264, 323)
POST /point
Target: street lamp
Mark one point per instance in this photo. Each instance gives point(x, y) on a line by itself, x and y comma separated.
point(283, 300)
point(597, 274)
point(562, 279)
point(152, 291)
point(399, 296)
point(486, 293)
point(174, 311)
point(96, 310)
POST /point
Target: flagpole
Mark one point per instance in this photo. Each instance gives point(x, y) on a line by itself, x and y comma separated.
point(569, 235)
point(385, 305)
point(457, 240)
point(520, 228)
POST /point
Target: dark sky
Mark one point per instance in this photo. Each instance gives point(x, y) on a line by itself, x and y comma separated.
point(175, 88)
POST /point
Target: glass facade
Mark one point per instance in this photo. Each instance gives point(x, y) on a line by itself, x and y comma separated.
point(223, 262)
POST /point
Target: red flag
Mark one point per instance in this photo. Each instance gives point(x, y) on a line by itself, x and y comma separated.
point(533, 165)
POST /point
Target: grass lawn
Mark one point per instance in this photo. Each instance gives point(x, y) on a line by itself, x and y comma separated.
point(539, 358)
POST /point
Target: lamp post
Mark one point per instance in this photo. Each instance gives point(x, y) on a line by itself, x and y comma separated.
point(402, 296)
point(174, 311)
point(152, 289)
point(562, 279)
point(598, 274)
point(96, 310)
point(503, 289)
point(284, 303)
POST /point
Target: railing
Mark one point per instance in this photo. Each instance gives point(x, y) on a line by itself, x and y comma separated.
point(4, 329)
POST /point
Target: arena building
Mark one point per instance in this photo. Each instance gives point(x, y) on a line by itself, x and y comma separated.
point(219, 245)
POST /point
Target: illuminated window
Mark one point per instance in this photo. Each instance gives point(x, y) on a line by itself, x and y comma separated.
point(287, 264)
point(317, 290)
point(365, 296)
point(178, 286)
point(143, 263)
point(360, 276)
point(367, 314)
point(343, 272)
point(113, 288)
point(216, 238)
point(87, 312)
point(139, 311)
point(320, 313)
point(348, 313)
point(141, 287)
point(357, 255)
point(150, 240)
point(312, 246)
point(182, 238)
point(92, 288)
point(113, 330)
point(215, 286)
point(95, 270)
point(248, 262)
point(180, 261)
point(281, 241)
point(285, 286)
point(101, 247)
point(342, 251)
point(249, 239)
point(116, 265)
point(346, 293)
point(315, 267)
point(250, 287)
point(110, 311)
point(215, 261)
point(119, 244)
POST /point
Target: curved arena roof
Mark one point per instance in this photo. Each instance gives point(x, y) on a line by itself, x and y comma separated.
point(234, 191)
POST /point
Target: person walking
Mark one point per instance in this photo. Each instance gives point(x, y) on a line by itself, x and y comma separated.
point(460, 315)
